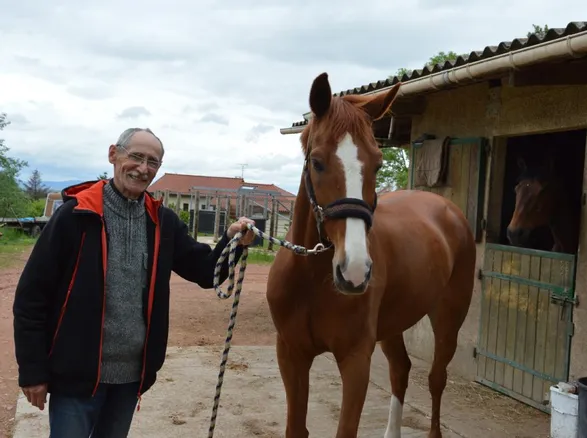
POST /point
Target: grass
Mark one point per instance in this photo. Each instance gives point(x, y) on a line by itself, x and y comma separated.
point(260, 256)
point(12, 244)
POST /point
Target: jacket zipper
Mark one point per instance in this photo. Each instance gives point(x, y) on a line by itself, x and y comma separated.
point(104, 264)
point(149, 308)
point(71, 282)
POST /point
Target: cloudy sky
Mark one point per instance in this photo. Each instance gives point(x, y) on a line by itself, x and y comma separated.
point(215, 80)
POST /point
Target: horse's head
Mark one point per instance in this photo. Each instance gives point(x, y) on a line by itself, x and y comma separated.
point(342, 160)
point(535, 202)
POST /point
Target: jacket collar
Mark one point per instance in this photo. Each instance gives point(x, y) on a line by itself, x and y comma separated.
point(90, 198)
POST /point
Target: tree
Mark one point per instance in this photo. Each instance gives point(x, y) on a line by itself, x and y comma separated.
point(104, 175)
point(538, 30)
point(36, 208)
point(394, 173)
point(35, 188)
point(8, 166)
point(439, 58)
point(13, 201)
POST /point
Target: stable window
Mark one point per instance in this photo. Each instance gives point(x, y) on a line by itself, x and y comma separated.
point(550, 169)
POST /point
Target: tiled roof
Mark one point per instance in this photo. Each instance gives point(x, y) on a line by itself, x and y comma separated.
point(182, 183)
point(177, 182)
point(488, 52)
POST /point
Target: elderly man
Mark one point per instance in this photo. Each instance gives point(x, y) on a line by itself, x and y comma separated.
point(91, 310)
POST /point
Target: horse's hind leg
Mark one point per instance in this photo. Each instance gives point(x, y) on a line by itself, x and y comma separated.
point(445, 345)
point(399, 373)
point(446, 322)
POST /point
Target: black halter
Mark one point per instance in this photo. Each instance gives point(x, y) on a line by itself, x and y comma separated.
point(339, 209)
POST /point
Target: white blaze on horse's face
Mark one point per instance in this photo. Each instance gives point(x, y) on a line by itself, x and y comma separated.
point(356, 266)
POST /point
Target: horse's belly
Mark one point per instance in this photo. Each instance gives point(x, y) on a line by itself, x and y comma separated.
point(414, 287)
point(398, 321)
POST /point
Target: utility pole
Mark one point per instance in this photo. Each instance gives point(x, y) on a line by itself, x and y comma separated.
point(243, 165)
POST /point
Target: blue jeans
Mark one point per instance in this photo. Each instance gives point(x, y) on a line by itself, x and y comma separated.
point(106, 415)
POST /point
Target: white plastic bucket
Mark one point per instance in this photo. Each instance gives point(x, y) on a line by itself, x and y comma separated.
point(563, 413)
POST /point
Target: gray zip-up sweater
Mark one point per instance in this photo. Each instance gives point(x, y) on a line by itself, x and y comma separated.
point(126, 279)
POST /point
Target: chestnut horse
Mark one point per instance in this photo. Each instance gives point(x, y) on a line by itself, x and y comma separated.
point(390, 263)
point(542, 201)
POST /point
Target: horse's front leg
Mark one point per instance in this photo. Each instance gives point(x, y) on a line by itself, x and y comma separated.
point(294, 366)
point(355, 368)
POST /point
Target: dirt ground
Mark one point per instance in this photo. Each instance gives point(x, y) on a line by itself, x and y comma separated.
point(199, 318)
point(8, 372)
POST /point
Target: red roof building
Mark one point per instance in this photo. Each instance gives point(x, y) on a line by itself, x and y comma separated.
point(213, 189)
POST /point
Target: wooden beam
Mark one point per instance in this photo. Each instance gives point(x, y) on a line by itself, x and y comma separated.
point(568, 73)
point(395, 132)
point(413, 106)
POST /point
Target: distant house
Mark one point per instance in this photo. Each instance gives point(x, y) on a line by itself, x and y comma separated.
point(182, 191)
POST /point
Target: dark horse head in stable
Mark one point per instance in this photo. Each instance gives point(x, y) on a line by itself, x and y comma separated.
point(540, 205)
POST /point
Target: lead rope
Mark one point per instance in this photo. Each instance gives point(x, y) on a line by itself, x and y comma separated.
point(231, 251)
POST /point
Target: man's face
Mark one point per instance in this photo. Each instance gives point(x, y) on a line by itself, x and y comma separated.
point(132, 172)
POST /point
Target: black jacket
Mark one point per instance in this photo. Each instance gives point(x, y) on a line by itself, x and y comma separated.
point(59, 301)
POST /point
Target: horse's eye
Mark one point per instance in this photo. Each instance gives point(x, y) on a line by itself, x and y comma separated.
point(317, 165)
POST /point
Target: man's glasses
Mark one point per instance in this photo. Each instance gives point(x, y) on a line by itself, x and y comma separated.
point(139, 159)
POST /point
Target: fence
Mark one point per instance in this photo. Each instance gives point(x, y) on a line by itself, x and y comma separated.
point(209, 212)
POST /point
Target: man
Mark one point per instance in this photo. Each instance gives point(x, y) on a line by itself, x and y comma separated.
point(91, 309)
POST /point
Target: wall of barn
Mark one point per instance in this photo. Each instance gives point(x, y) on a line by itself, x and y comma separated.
point(491, 112)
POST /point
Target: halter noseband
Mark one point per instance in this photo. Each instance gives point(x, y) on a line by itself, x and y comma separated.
point(339, 209)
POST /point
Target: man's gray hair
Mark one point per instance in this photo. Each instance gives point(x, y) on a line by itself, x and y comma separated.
point(127, 135)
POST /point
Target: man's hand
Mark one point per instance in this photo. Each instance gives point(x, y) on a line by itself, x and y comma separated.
point(241, 225)
point(36, 395)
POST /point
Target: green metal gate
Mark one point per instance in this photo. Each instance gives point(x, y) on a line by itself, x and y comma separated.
point(526, 322)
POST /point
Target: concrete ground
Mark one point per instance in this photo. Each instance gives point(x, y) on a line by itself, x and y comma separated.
point(253, 399)
point(252, 403)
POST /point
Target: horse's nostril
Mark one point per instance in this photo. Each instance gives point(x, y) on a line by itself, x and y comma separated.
point(518, 235)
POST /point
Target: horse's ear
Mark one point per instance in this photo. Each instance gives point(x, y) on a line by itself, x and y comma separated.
point(320, 96)
point(378, 105)
point(522, 164)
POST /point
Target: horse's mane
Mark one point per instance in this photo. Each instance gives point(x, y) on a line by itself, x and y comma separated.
point(343, 116)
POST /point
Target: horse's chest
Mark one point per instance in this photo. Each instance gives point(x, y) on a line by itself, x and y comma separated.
point(336, 315)
point(320, 317)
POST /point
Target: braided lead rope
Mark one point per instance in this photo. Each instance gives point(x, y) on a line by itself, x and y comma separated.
point(231, 251)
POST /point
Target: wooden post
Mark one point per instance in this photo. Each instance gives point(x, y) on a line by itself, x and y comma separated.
point(196, 213)
point(227, 213)
point(276, 216)
point(291, 212)
point(272, 223)
point(190, 208)
point(217, 217)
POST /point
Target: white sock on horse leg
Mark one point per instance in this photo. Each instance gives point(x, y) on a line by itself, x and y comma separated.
point(394, 421)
